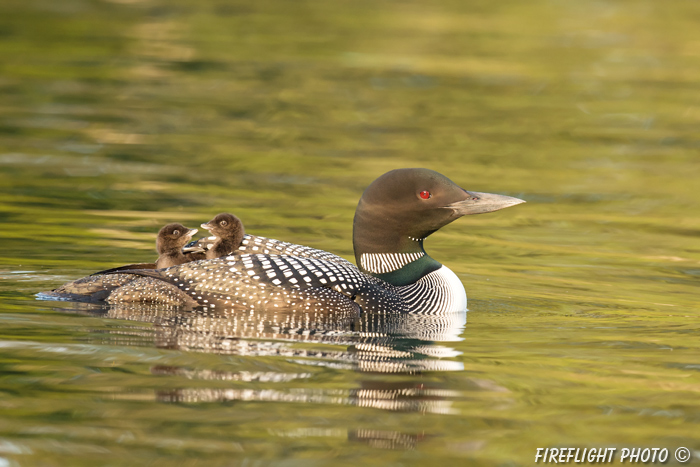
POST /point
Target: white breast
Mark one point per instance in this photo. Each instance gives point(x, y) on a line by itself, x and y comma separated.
point(441, 291)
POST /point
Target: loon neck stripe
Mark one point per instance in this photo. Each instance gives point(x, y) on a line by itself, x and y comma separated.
point(382, 263)
point(411, 272)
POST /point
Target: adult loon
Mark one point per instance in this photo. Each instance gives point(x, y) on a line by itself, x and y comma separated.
point(394, 216)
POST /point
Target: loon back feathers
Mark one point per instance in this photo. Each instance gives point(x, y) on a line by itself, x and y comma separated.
point(395, 214)
point(268, 282)
point(253, 244)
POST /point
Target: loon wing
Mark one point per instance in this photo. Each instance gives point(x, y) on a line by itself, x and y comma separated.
point(126, 268)
point(254, 244)
point(262, 282)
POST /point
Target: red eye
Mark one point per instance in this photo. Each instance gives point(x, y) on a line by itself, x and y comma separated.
point(425, 194)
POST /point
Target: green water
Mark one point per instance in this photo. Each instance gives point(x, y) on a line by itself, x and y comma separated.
point(119, 116)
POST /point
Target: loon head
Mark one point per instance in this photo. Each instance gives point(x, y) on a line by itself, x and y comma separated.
point(172, 238)
point(400, 209)
point(227, 226)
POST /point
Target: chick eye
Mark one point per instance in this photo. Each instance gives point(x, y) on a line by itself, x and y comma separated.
point(176, 232)
point(223, 223)
point(425, 194)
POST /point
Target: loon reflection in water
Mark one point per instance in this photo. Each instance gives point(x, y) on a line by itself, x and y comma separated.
point(385, 343)
point(367, 343)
